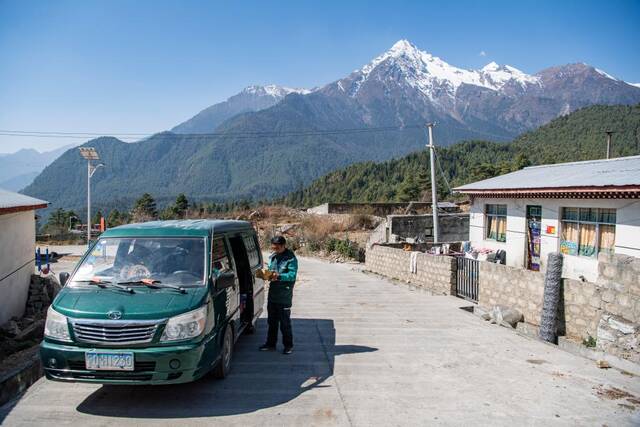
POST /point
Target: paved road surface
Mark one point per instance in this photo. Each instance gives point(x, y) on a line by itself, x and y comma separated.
point(367, 352)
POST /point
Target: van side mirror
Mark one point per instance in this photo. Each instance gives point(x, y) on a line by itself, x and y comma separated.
point(225, 280)
point(64, 278)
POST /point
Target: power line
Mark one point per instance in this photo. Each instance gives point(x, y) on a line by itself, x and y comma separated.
point(446, 181)
point(241, 135)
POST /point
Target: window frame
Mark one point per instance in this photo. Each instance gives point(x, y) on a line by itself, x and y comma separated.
point(579, 221)
point(226, 251)
point(488, 216)
point(256, 249)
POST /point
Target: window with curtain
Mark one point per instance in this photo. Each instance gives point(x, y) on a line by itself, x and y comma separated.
point(496, 222)
point(587, 231)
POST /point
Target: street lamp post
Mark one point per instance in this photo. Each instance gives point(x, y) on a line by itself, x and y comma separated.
point(90, 154)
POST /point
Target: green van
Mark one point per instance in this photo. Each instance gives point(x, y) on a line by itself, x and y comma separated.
point(155, 303)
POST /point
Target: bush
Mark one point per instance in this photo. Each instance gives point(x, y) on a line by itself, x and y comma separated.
point(589, 342)
point(345, 248)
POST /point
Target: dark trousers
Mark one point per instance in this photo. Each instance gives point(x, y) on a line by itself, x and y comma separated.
point(279, 315)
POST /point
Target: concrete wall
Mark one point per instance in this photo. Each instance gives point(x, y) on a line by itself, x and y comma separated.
point(435, 273)
point(627, 231)
point(452, 227)
point(396, 228)
point(379, 209)
point(608, 310)
point(17, 246)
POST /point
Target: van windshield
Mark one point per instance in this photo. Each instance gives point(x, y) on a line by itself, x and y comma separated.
point(180, 261)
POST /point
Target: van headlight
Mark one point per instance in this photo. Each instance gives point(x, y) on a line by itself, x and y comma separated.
point(56, 326)
point(185, 326)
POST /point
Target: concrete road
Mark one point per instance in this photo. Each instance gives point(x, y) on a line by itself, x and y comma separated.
point(367, 352)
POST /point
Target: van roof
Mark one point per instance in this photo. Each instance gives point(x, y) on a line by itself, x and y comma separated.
point(187, 227)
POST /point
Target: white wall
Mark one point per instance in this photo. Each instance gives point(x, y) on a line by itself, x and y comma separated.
point(627, 231)
point(17, 246)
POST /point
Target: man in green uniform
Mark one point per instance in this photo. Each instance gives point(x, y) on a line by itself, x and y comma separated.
point(284, 265)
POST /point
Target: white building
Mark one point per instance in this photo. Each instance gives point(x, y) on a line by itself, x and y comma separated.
point(17, 248)
point(580, 209)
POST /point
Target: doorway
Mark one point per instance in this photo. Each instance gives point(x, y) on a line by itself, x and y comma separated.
point(534, 224)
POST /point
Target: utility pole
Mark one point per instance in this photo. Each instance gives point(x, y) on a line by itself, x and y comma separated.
point(609, 133)
point(434, 194)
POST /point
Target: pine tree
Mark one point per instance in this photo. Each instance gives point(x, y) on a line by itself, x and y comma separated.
point(144, 209)
point(409, 189)
point(181, 205)
point(115, 218)
point(521, 161)
point(97, 217)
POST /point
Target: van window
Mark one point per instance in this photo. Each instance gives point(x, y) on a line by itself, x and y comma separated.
point(252, 250)
point(219, 256)
point(171, 260)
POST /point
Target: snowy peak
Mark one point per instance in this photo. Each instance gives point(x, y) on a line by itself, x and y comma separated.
point(273, 90)
point(497, 76)
point(602, 73)
point(402, 47)
point(491, 66)
point(431, 75)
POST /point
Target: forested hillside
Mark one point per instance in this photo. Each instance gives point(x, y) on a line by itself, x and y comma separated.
point(577, 136)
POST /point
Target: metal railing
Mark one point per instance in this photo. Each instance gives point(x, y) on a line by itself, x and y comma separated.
point(467, 273)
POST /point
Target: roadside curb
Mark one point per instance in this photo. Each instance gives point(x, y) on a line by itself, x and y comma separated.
point(19, 379)
point(528, 330)
point(615, 362)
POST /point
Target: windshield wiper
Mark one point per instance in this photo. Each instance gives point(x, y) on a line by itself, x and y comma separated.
point(154, 284)
point(105, 283)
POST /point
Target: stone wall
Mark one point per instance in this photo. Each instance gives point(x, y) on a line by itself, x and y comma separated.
point(512, 287)
point(608, 310)
point(434, 273)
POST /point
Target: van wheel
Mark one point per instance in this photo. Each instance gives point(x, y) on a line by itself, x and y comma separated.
point(224, 365)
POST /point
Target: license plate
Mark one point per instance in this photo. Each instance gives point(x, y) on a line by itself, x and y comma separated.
point(102, 361)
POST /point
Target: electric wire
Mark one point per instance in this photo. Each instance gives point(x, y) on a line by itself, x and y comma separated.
point(200, 136)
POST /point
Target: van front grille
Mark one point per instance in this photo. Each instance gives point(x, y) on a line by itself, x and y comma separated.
point(114, 332)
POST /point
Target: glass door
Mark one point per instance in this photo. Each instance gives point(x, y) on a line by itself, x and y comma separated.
point(534, 223)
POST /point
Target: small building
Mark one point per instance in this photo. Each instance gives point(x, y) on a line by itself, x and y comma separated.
point(17, 248)
point(581, 209)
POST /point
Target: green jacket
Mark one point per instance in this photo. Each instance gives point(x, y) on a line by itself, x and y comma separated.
point(281, 290)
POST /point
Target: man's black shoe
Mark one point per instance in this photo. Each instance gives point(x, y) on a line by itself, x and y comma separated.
point(267, 348)
point(288, 350)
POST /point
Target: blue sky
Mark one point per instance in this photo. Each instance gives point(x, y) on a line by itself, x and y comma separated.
point(144, 66)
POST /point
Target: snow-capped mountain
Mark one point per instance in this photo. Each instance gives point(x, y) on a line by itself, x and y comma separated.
point(251, 98)
point(275, 91)
point(431, 75)
point(399, 89)
point(496, 99)
point(406, 84)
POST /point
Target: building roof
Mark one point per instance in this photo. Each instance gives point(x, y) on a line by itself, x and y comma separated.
point(187, 227)
point(15, 202)
point(607, 178)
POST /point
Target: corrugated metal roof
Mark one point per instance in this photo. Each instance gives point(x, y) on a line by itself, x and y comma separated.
point(9, 200)
point(622, 171)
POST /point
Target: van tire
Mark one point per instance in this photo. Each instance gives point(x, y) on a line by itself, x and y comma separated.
point(223, 367)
